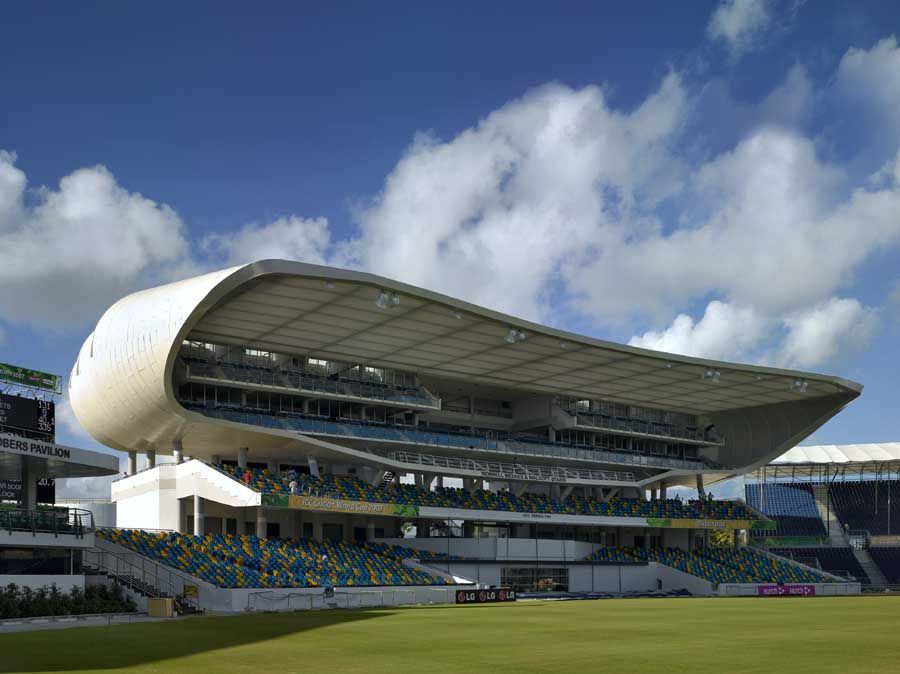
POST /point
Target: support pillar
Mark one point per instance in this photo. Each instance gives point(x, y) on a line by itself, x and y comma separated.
point(177, 451)
point(132, 463)
point(29, 485)
point(261, 523)
point(662, 490)
point(151, 458)
point(313, 467)
point(198, 516)
point(273, 466)
point(370, 532)
point(215, 459)
point(242, 457)
point(700, 490)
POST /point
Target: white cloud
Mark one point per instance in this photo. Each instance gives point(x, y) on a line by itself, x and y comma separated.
point(724, 332)
point(819, 334)
point(491, 214)
point(869, 79)
point(773, 231)
point(291, 238)
point(80, 247)
point(741, 24)
point(66, 419)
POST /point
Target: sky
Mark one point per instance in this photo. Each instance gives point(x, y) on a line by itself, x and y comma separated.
point(718, 179)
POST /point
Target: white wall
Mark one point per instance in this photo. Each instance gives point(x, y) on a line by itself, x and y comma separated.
point(65, 583)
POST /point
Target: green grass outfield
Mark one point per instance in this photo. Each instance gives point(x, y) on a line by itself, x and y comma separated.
point(732, 636)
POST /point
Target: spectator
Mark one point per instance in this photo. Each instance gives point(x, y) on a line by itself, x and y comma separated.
point(293, 486)
point(246, 477)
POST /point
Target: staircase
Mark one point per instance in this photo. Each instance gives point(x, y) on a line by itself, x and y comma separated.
point(140, 578)
point(387, 478)
point(829, 516)
point(876, 577)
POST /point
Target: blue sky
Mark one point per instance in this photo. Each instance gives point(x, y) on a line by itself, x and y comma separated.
point(719, 179)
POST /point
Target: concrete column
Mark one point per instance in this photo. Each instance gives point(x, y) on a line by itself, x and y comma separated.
point(260, 523)
point(215, 459)
point(555, 492)
point(151, 458)
point(198, 516)
point(317, 529)
point(132, 463)
point(242, 457)
point(440, 482)
point(273, 466)
point(422, 529)
point(662, 490)
point(700, 484)
point(177, 451)
point(306, 406)
point(370, 531)
point(29, 485)
point(179, 527)
point(468, 529)
point(314, 467)
point(551, 434)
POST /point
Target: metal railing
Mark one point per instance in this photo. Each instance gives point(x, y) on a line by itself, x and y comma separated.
point(66, 521)
point(138, 574)
point(299, 382)
point(512, 471)
point(420, 437)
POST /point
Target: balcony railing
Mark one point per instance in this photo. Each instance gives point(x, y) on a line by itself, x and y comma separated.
point(67, 521)
point(306, 383)
point(508, 446)
point(512, 471)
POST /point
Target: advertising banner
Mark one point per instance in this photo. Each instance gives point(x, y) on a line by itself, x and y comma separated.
point(667, 523)
point(491, 596)
point(336, 505)
point(786, 590)
point(26, 377)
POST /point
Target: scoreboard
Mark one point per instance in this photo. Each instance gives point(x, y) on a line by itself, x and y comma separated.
point(26, 414)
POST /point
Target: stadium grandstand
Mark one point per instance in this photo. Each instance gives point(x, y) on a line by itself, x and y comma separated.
point(332, 430)
point(836, 508)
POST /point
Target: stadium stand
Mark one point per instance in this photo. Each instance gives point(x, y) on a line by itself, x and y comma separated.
point(792, 506)
point(868, 506)
point(888, 560)
point(247, 561)
point(838, 561)
point(717, 565)
point(354, 489)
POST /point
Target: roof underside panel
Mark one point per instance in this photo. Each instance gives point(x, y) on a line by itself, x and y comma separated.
point(338, 319)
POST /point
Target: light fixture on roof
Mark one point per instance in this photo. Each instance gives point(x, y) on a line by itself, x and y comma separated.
point(799, 385)
point(514, 336)
point(712, 374)
point(329, 285)
point(457, 315)
point(383, 301)
point(563, 345)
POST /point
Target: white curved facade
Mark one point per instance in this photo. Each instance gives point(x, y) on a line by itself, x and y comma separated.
point(121, 387)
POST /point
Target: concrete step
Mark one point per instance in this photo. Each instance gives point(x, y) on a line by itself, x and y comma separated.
point(876, 577)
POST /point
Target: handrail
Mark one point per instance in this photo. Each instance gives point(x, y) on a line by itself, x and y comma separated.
point(526, 472)
point(56, 521)
point(418, 436)
point(296, 381)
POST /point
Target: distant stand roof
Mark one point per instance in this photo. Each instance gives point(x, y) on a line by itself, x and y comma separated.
point(882, 458)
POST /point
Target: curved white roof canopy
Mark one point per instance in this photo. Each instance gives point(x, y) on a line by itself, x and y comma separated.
point(882, 452)
point(122, 393)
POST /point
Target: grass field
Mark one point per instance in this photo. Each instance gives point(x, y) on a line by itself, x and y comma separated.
point(821, 636)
